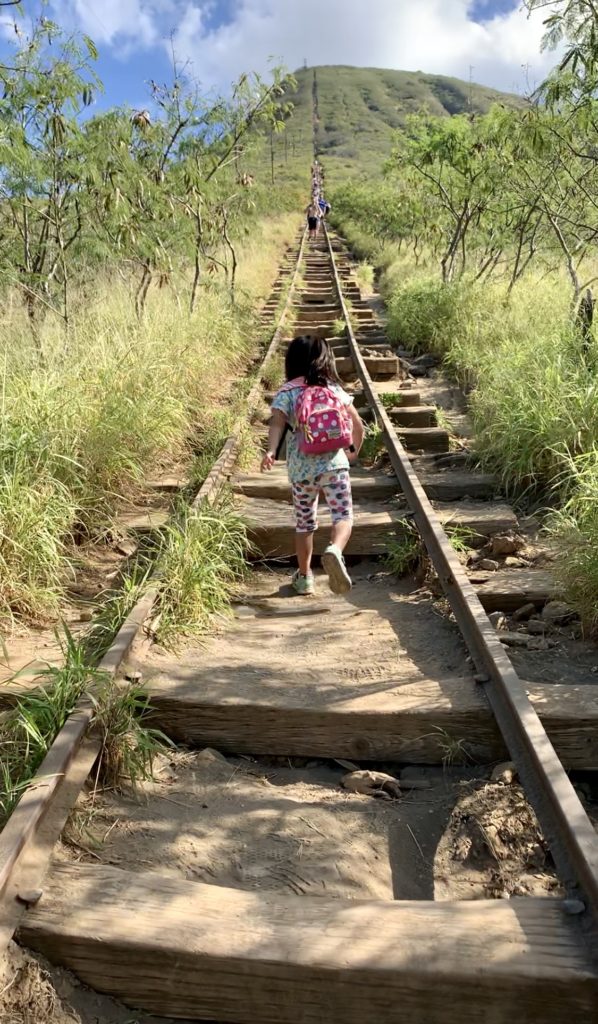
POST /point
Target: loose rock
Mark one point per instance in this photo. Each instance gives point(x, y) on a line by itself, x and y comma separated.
point(209, 756)
point(535, 627)
point(505, 544)
point(498, 620)
point(425, 360)
point(524, 612)
point(488, 564)
point(371, 783)
point(540, 643)
point(505, 772)
point(557, 612)
point(515, 639)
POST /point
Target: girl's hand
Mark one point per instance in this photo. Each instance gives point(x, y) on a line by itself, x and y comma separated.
point(352, 457)
point(267, 462)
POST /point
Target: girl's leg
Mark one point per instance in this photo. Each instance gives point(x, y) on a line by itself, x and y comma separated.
point(304, 547)
point(305, 503)
point(337, 491)
point(336, 488)
point(340, 533)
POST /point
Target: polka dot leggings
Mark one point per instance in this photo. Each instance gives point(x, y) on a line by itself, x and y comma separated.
point(336, 488)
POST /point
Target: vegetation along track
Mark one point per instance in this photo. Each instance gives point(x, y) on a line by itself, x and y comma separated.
point(277, 939)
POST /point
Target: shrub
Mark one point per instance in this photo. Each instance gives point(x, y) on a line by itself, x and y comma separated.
point(424, 315)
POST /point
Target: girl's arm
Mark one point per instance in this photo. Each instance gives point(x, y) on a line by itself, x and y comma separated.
point(358, 432)
point(277, 424)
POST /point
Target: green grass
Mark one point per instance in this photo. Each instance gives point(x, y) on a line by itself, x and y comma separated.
point(201, 567)
point(404, 554)
point(574, 527)
point(114, 607)
point(364, 276)
point(28, 730)
point(82, 426)
point(373, 443)
point(388, 399)
point(533, 398)
point(273, 376)
point(460, 537)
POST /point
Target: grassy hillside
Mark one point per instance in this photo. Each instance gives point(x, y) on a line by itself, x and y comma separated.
point(357, 112)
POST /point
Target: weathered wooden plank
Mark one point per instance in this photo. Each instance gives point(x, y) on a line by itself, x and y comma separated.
point(377, 366)
point(429, 439)
point(205, 952)
point(509, 589)
point(309, 312)
point(271, 524)
point(393, 720)
point(414, 416)
point(142, 520)
point(370, 486)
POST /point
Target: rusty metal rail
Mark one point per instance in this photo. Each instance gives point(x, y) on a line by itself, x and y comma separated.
point(571, 837)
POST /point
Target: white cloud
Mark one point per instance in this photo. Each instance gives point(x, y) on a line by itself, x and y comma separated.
point(429, 35)
point(132, 21)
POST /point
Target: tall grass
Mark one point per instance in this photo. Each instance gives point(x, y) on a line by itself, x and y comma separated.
point(82, 424)
point(202, 565)
point(28, 730)
point(533, 395)
point(575, 527)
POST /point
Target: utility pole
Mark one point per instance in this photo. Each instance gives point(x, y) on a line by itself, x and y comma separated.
point(470, 97)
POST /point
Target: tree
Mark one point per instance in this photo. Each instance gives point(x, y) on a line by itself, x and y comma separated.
point(142, 193)
point(42, 148)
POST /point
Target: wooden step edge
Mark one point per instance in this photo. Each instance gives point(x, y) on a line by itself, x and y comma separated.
point(271, 526)
point(177, 948)
point(508, 590)
point(414, 415)
point(387, 366)
point(427, 439)
point(438, 486)
point(400, 722)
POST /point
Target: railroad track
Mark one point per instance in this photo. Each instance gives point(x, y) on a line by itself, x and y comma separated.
point(256, 954)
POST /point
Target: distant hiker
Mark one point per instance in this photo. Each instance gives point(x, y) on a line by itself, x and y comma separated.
point(313, 219)
point(322, 425)
point(325, 206)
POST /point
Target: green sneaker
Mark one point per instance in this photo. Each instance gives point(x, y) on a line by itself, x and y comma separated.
point(303, 585)
point(334, 566)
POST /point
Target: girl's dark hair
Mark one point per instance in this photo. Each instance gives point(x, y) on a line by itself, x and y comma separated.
point(311, 358)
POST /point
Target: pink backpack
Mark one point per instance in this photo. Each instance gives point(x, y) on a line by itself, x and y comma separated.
point(323, 422)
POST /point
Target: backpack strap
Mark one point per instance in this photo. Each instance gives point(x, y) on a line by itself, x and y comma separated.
point(291, 385)
point(298, 382)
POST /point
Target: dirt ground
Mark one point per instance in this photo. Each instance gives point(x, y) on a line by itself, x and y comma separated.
point(289, 826)
point(272, 824)
point(32, 991)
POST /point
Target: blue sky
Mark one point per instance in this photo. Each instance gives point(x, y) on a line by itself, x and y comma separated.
point(219, 39)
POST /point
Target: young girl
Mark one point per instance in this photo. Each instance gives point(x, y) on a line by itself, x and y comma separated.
point(310, 362)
